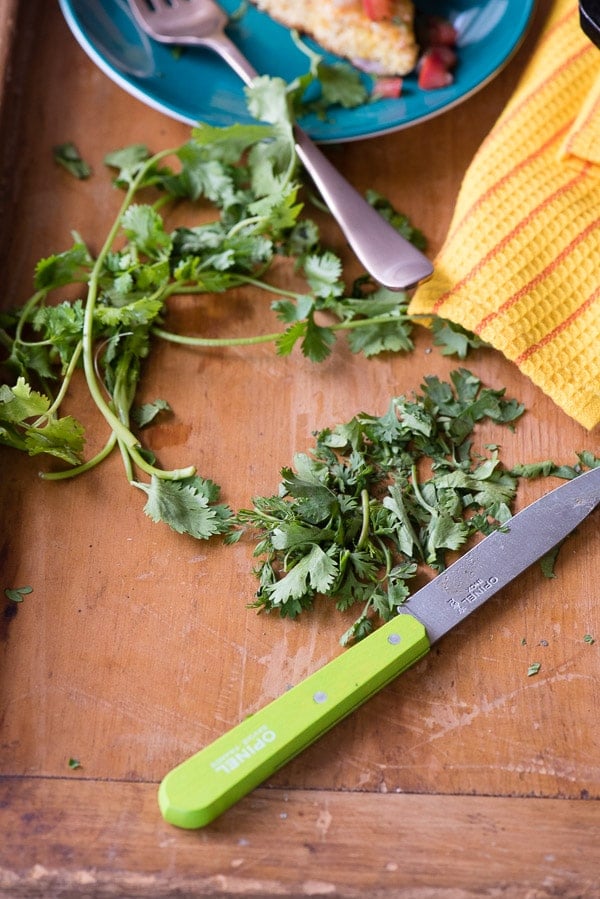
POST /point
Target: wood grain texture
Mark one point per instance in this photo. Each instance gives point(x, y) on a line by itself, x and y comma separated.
point(463, 778)
point(297, 844)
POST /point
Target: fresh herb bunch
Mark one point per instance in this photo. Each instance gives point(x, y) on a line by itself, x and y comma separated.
point(250, 173)
point(378, 497)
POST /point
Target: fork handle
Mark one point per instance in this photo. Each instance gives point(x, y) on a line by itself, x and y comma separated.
point(387, 256)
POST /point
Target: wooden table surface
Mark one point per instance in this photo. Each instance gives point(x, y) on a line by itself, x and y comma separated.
point(463, 778)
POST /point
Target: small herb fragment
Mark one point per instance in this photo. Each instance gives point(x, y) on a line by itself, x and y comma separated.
point(146, 413)
point(69, 157)
point(588, 639)
point(74, 764)
point(16, 594)
point(401, 222)
point(533, 669)
point(548, 561)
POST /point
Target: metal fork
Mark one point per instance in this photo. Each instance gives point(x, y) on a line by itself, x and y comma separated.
point(386, 255)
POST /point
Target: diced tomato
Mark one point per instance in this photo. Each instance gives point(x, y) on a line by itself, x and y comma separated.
point(446, 54)
point(433, 70)
point(387, 88)
point(439, 32)
point(378, 9)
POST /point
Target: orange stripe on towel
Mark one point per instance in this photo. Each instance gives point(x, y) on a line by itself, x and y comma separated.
point(559, 328)
point(532, 96)
point(522, 163)
point(541, 276)
point(564, 188)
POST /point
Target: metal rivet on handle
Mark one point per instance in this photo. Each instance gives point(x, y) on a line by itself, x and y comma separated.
point(394, 639)
point(320, 696)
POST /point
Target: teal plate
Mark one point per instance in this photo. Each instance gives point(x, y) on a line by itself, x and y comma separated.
point(196, 85)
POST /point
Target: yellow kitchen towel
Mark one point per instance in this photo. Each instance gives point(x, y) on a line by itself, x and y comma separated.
point(520, 265)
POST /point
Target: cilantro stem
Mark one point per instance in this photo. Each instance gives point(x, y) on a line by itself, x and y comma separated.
point(33, 301)
point(5, 339)
point(214, 341)
point(85, 466)
point(270, 338)
point(417, 491)
point(386, 554)
point(121, 432)
point(354, 323)
point(175, 474)
point(366, 519)
point(127, 462)
point(245, 223)
point(271, 288)
point(65, 382)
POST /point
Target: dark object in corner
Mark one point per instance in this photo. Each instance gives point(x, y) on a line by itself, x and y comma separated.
point(589, 16)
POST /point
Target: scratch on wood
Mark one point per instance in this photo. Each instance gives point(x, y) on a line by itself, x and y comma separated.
point(323, 822)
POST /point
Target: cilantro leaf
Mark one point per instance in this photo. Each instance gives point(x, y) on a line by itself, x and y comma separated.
point(268, 100)
point(390, 336)
point(317, 341)
point(62, 438)
point(229, 143)
point(313, 573)
point(288, 339)
point(443, 533)
point(21, 402)
point(341, 85)
point(146, 413)
point(145, 229)
point(187, 505)
point(63, 268)
point(453, 339)
point(61, 325)
point(323, 274)
point(128, 161)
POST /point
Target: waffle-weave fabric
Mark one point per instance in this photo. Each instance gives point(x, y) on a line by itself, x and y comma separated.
point(520, 265)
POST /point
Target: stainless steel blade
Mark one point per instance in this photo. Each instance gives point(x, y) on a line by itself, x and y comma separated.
point(498, 559)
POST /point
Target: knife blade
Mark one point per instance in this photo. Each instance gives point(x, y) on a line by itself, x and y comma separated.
point(202, 787)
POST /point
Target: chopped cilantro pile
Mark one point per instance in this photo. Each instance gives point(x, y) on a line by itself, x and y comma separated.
point(378, 497)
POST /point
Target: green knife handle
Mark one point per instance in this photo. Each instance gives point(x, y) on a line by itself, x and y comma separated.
point(212, 780)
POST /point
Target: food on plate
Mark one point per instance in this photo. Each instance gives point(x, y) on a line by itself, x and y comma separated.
point(386, 38)
point(437, 40)
point(378, 36)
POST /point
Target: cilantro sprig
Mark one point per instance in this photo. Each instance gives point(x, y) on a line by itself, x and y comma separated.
point(250, 173)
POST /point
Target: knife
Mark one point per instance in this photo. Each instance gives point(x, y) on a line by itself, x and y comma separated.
point(209, 782)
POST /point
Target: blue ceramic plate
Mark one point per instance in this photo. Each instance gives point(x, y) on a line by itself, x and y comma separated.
point(196, 85)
